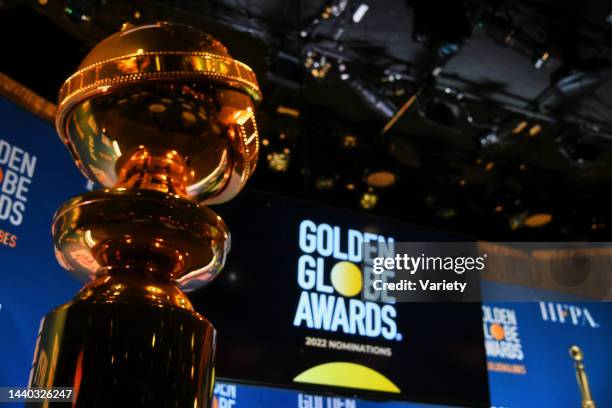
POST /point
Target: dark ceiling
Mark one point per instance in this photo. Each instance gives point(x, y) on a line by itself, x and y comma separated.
point(506, 123)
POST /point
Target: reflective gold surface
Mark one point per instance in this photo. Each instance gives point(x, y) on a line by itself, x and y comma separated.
point(581, 377)
point(194, 105)
point(126, 342)
point(156, 143)
point(143, 232)
point(163, 118)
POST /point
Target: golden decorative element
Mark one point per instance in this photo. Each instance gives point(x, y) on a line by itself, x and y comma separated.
point(158, 66)
point(163, 118)
point(583, 382)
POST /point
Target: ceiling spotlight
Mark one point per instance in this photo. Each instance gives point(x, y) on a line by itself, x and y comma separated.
point(317, 65)
point(541, 60)
point(517, 221)
point(79, 10)
point(505, 33)
point(368, 200)
point(505, 132)
point(361, 10)
point(325, 183)
point(549, 58)
point(535, 129)
point(380, 179)
point(489, 139)
point(535, 220)
point(285, 110)
point(334, 9)
point(448, 48)
point(278, 161)
point(349, 141)
point(538, 220)
point(519, 127)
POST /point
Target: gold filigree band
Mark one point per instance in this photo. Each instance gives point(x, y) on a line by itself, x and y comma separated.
point(160, 66)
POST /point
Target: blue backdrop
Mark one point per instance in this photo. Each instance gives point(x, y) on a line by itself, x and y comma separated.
point(31, 281)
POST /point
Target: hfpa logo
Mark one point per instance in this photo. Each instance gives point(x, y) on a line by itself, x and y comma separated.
point(567, 314)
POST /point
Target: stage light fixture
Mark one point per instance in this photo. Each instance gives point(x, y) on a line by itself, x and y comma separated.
point(325, 183)
point(516, 221)
point(369, 199)
point(79, 10)
point(489, 139)
point(535, 130)
point(349, 141)
point(284, 110)
point(317, 65)
point(361, 10)
point(538, 220)
point(334, 9)
point(279, 161)
point(380, 179)
point(524, 219)
point(519, 127)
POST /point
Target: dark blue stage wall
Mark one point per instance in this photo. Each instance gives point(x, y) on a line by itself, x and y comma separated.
point(37, 175)
point(435, 353)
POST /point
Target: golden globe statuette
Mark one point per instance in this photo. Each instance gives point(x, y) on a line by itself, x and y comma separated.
point(163, 118)
point(583, 383)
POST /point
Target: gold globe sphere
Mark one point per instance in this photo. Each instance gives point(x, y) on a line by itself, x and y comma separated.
point(166, 99)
